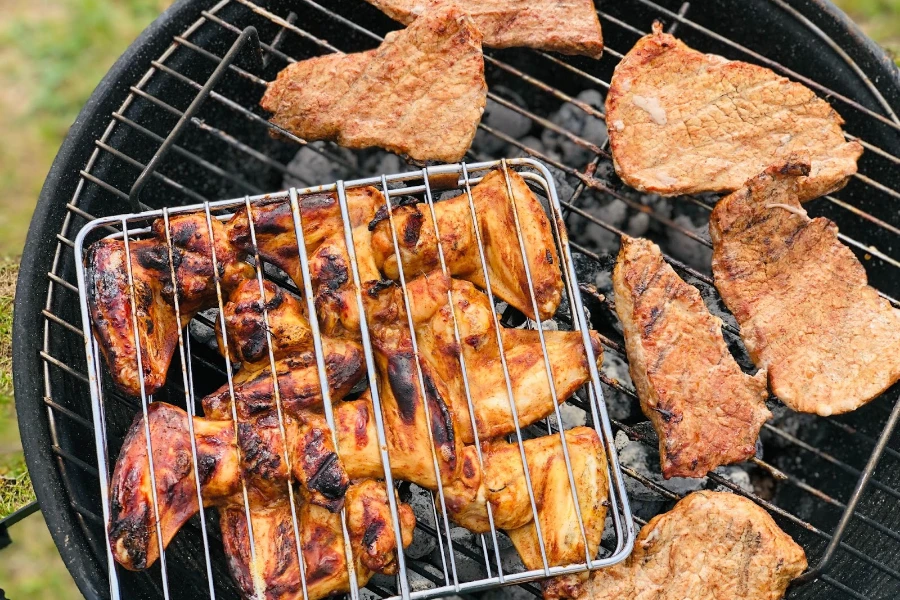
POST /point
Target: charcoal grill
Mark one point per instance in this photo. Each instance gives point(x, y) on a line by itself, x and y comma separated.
point(833, 484)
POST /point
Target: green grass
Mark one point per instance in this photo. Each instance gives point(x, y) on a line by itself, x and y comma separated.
point(880, 19)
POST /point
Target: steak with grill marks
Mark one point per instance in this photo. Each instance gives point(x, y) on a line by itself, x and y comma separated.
point(421, 93)
point(683, 122)
point(706, 411)
point(565, 26)
point(711, 546)
point(828, 341)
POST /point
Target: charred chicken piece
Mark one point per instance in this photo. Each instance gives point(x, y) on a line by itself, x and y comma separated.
point(256, 456)
point(829, 342)
point(415, 233)
point(110, 299)
point(320, 215)
point(275, 574)
point(487, 383)
point(684, 122)
point(567, 26)
point(706, 411)
point(420, 93)
point(711, 546)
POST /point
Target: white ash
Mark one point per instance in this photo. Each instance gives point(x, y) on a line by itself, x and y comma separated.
point(421, 502)
point(203, 333)
point(638, 224)
point(385, 163)
point(619, 405)
point(503, 119)
point(643, 459)
point(565, 185)
point(578, 122)
point(789, 422)
point(571, 416)
point(689, 250)
point(309, 168)
point(611, 212)
point(737, 475)
point(548, 325)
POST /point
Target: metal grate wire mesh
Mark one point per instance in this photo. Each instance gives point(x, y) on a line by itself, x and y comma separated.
point(214, 159)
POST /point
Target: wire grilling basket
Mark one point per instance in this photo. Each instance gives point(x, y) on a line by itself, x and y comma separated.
point(813, 473)
point(461, 178)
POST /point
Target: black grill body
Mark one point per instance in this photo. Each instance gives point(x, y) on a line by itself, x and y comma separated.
point(104, 153)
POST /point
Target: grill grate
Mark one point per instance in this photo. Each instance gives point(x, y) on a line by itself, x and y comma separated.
point(177, 75)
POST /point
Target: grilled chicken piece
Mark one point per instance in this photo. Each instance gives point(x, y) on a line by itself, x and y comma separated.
point(320, 215)
point(110, 301)
point(275, 574)
point(481, 354)
point(706, 411)
point(683, 122)
point(420, 93)
point(567, 26)
point(415, 233)
point(828, 341)
point(711, 546)
point(257, 458)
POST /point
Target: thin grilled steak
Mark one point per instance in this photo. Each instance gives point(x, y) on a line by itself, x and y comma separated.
point(565, 26)
point(421, 93)
point(711, 546)
point(706, 411)
point(828, 341)
point(683, 122)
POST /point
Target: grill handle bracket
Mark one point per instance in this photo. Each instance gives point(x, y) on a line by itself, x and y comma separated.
point(248, 36)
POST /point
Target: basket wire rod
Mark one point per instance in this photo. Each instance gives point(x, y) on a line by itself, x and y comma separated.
point(457, 338)
point(276, 390)
point(402, 576)
point(189, 401)
point(577, 308)
point(504, 168)
point(438, 475)
point(145, 400)
point(230, 376)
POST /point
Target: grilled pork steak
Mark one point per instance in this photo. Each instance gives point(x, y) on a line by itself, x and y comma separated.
point(711, 546)
point(565, 26)
point(706, 411)
point(683, 122)
point(828, 341)
point(421, 93)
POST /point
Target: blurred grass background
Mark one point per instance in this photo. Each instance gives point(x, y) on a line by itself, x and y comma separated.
point(52, 55)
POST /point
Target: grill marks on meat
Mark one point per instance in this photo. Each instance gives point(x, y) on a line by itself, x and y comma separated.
point(711, 546)
point(109, 295)
point(683, 122)
point(828, 341)
point(565, 26)
point(706, 411)
point(421, 93)
point(497, 209)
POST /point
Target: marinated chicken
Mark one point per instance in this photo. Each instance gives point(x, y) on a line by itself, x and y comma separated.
point(565, 26)
point(153, 323)
point(706, 411)
point(481, 357)
point(497, 210)
point(711, 546)
point(683, 122)
point(421, 93)
point(829, 342)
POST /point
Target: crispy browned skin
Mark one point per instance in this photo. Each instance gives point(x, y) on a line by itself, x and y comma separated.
point(481, 354)
point(275, 575)
point(683, 122)
point(415, 232)
point(421, 93)
point(711, 546)
point(828, 341)
point(565, 26)
point(706, 411)
point(109, 297)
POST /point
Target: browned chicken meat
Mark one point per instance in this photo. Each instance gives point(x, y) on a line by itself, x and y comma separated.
point(711, 546)
point(566, 26)
point(682, 122)
point(706, 411)
point(481, 355)
point(497, 210)
point(421, 93)
point(110, 299)
point(828, 341)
